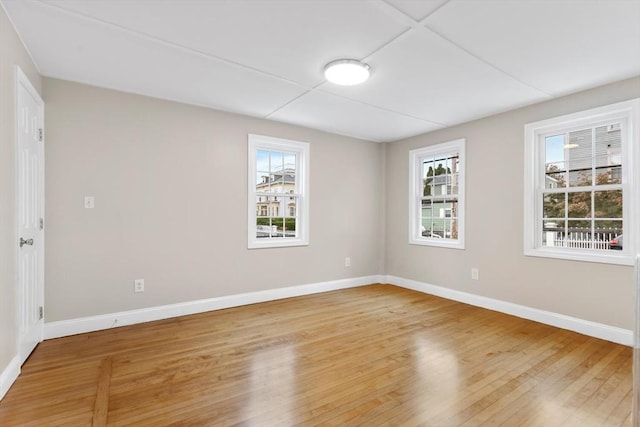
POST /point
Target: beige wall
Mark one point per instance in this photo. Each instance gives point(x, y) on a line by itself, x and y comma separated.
point(170, 186)
point(494, 222)
point(11, 53)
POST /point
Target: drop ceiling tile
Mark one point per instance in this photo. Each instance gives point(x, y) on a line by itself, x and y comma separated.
point(417, 9)
point(320, 110)
point(83, 51)
point(556, 46)
point(424, 76)
point(291, 39)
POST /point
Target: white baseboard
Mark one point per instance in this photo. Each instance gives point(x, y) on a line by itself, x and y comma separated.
point(113, 320)
point(586, 327)
point(9, 375)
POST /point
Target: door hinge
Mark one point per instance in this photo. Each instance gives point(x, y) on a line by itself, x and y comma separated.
point(41, 223)
point(40, 313)
point(40, 134)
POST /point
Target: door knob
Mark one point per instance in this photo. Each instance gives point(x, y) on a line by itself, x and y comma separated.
point(25, 242)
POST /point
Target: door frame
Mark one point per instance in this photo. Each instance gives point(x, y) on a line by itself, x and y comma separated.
point(21, 80)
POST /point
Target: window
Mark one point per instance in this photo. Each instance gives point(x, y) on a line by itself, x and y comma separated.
point(580, 190)
point(436, 199)
point(278, 192)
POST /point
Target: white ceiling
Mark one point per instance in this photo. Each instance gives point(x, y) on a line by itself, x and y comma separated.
point(435, 63)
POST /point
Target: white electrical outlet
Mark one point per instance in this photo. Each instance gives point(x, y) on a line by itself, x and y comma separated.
point(347, 262)
point(138, 285)
point(89, 202)
point(475, 274)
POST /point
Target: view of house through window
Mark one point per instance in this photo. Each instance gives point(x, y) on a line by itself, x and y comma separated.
point(439, 214)
point(582, 196)
point(436, 195)
point(276, 195)
point(278, 202)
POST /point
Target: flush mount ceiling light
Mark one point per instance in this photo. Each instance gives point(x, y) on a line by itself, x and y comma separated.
point(347, 72)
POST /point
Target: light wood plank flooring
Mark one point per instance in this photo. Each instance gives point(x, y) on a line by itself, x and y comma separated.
point(374, 356)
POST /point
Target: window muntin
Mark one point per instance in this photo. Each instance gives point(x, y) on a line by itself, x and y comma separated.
point(580, 192)
point(278, 192)
point(437, 197)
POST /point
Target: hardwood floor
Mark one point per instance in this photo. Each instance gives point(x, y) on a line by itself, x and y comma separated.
point(374, 356)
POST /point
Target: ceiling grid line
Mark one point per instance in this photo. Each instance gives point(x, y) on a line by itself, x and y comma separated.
point(484, 61)
point(388, 110)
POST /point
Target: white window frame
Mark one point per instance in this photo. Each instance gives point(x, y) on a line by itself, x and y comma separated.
point(628, 113)
point(416, 188)
point(301, 150)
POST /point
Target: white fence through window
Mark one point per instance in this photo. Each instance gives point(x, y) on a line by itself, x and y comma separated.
point(580, 240)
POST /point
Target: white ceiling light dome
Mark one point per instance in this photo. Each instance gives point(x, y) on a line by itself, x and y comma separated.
point(347, 72)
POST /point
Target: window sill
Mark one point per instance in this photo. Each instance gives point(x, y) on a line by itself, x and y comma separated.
point(618, 258)
point(441, 243)
point(262, 244)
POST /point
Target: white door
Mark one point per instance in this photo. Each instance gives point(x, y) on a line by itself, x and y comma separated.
point(30, 214)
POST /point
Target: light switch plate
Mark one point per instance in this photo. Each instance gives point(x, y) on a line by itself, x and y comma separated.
point(89, 202)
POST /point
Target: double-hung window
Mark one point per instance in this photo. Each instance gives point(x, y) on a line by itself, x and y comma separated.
point(278, 192)
point(581, 185)
point(436, 195)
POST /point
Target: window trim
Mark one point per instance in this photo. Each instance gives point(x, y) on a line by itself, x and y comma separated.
point(627, 111)
point(301, 149)
point(415, 193)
